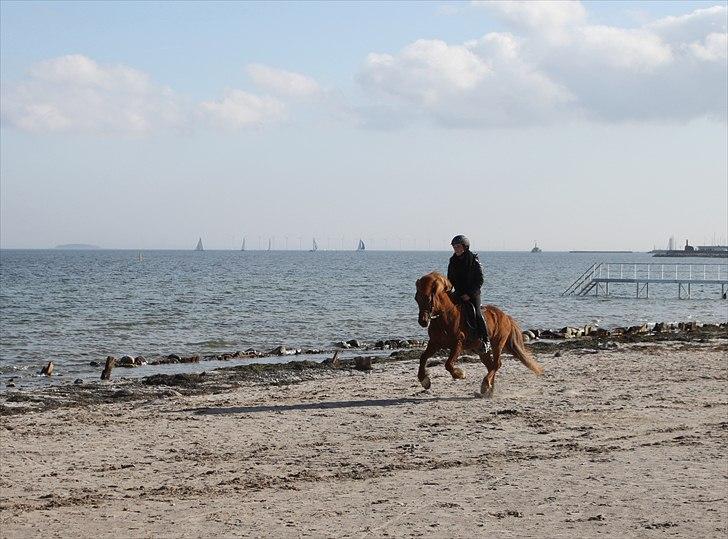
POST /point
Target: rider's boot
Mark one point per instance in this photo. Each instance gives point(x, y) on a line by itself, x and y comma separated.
point(485, 341)
point(484, 345)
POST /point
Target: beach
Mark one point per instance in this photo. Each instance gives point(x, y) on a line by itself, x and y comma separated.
point(620, 438)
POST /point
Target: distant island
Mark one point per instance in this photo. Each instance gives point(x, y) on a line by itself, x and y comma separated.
point(77, 246)
point(600, 251)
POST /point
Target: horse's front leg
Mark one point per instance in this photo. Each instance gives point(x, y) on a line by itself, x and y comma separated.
point(455, 352)
point(422, 375)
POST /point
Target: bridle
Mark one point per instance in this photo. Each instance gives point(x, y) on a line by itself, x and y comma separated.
point(431, 315)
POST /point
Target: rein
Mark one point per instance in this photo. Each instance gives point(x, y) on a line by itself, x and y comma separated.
point(430, 311)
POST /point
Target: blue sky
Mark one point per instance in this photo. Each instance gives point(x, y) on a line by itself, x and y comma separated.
point(596, 125)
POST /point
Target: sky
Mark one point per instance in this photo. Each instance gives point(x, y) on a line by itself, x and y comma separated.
point(577, 125)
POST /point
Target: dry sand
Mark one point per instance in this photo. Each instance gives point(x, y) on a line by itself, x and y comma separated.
point(628, 442)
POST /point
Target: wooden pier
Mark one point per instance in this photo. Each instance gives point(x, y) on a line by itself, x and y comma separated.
point(600, 275)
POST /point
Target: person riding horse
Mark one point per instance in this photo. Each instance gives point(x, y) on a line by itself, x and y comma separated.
point(466, 275)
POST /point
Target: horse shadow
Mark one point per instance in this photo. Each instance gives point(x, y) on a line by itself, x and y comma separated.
point(326, 405)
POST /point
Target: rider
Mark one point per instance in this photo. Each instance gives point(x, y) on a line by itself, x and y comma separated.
point(466, 275)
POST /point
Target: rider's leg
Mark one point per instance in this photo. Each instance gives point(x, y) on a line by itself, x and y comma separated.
point(480, 321)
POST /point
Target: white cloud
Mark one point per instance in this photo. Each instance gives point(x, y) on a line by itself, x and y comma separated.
point(551, 18)
point(283, 83)
point(558, 67)
point(691, 26)
point(426, 72)
point(479, 82)
point(238, 109)
point(713, 49)
point(74, 93)
point(628, 49)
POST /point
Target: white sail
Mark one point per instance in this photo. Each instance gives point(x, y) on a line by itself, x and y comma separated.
point(242, 247)
point(361, 246)
point(315, 246)
point(199, 245)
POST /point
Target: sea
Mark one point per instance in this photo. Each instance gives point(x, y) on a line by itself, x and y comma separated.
point(76, 307)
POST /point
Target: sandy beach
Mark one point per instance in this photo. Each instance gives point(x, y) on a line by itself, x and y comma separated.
point(628, 441)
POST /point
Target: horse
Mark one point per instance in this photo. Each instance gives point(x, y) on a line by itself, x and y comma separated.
point(446, 323)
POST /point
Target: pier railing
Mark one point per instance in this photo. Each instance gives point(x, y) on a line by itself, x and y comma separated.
point(585, 278)
point(598, 277)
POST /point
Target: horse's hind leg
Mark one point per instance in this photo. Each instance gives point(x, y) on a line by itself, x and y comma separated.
point(422, 375)
point(493, 362)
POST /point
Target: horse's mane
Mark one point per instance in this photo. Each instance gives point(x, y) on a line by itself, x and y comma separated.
point(439, 279)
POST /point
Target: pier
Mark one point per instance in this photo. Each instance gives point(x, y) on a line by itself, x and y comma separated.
point(597, 278)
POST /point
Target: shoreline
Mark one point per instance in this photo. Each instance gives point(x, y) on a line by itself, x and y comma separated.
point(621, 436)
point(227, 378)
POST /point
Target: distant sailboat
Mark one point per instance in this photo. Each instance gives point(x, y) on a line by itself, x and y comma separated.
point(315, 246)
point(269, 243)
point(361, 246)
point(199, 245)
point(536, 248)
point(242, 247)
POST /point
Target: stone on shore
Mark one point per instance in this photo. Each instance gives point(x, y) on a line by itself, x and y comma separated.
point(127, 362)
point(283, 351)
point(363, 363)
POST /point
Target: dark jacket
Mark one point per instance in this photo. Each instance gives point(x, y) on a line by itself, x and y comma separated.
point(465, 273)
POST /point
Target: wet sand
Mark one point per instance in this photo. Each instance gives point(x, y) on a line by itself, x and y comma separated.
point(629, 442)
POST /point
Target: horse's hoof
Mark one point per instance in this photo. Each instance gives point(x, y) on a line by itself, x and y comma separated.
point(478, 395)
point(426, 382)
point(458, 374)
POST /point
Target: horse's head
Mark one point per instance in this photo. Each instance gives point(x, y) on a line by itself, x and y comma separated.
point(428, 297)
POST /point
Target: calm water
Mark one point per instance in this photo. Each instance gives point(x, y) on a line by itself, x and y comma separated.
point(76, 306)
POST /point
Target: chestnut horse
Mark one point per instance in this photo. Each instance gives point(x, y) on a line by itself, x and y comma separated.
point(447, 329)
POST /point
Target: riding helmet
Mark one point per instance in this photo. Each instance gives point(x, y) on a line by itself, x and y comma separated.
point(461, 240)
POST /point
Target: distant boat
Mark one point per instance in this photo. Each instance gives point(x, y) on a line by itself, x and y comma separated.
point(315, 246)
point(242, 247)
point(536, 248)
point(269, 243)
point(361, 246)
point(199, 245)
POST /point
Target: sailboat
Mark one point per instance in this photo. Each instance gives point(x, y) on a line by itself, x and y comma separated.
point(269, 243)
point(242, 247)
point(199, 245)
point(361, 246)
point(315, 246)
point(536, 248)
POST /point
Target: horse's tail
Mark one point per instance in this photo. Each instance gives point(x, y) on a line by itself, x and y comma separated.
point(517, 348)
